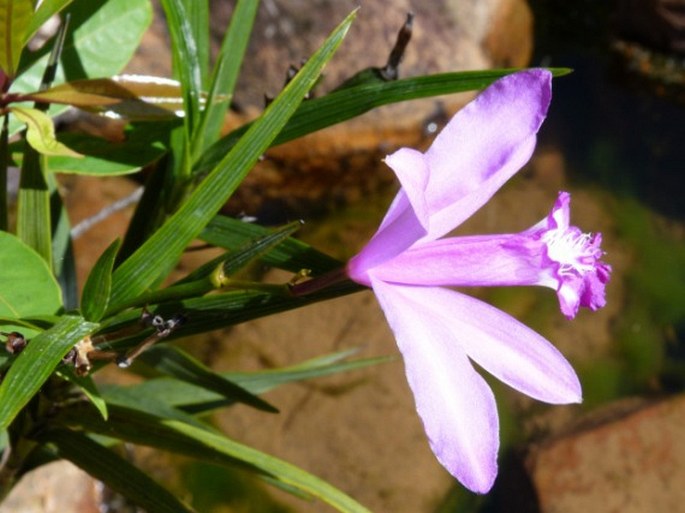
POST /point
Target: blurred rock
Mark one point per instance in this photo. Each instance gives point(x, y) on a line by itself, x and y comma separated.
point(58, 487)
point(343, 163)
point(628, 458)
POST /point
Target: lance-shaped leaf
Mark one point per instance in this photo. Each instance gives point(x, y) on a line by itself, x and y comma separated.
point(142, 428)
point(197, 400)
point(114, 471)
point(162, 250)
point(216, 311)
point(27, 287)
point(40, 132)
point(36, 363)
point(225, 74)
point(187, 55)
point(203, 279)
point(134, 97)
point(249, 249)
point(344, 104)
point(89, 389)
point(4, 165)
point(174, 362)
point(291, 255)
point(15, 16)
point(96, 291)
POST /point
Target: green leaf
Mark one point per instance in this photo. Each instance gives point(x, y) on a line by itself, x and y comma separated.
point(203, 279)
point(186, 55)
point(96, 291)
point(27, 287)
point(63, 259)
point(46, 10)
point(180, 365)
point(165, 246)
point(344, 104)
point(197, 400)
point(134, 97)
point(216, 311)
point(144, 144)
point(15, 16)
point(225, 74)
point(198, 13)
point(5, 154)
point(33, 206)
point(291, 255)
point(40, 132)
point(104, 35)
point(36, 363)
point(88, 387)
point(134, 399)
point(248, 250)
point(141, 428)
point(114, 471)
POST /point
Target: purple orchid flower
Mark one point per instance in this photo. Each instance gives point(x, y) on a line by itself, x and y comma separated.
point(438, 330)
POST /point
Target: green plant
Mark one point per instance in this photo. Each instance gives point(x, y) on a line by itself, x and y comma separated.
point(57, 340)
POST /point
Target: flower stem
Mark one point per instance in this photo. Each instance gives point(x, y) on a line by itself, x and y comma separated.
point(319, 283)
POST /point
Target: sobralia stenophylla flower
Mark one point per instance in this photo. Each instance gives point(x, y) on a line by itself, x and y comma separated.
point(439, 331)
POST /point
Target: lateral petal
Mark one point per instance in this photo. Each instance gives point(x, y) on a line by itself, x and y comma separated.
point(505, 347)
point(455, 404)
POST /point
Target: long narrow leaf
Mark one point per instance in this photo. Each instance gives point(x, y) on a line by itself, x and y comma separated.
point(200, 282)
point(235, 260)
point(63, 258)
point(37, 362)
point(225, 74)
point(291, 255)
point(15, 17)
point(174, 362)
point(4, 164)
point(98, 287)
point(33, 206)
point(163, 249)
point(348, 103)
point(171, 435)
point(114, 471)
point(89, 389)
point(186, 56)
point(215, 311)
point(197, 400)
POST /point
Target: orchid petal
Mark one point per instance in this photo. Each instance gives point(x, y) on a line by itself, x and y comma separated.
point(507, 348)
point(483, 145)
point(412, 171)
point(404, 223)
point(475, 261)
point(455, 404)
point(398, 234)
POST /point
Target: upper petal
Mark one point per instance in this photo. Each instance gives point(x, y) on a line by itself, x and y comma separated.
point(455, 404)
point(483, 145)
